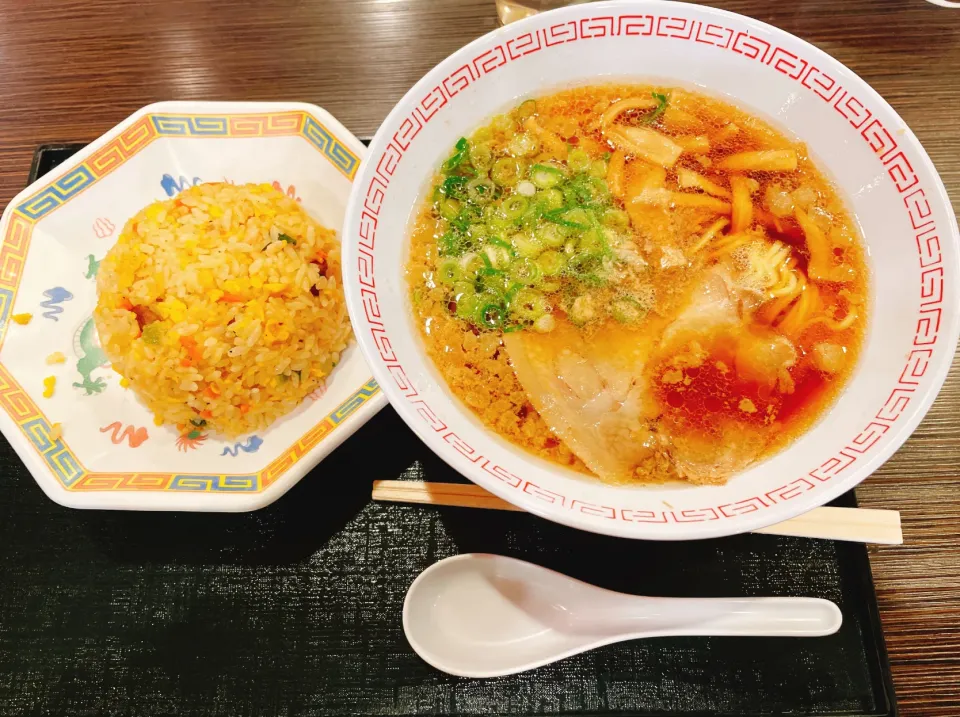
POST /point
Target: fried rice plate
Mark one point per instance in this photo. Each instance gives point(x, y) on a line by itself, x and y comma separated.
point(222, 308)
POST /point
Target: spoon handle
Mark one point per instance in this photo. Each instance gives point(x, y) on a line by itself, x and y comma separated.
point(756, 617)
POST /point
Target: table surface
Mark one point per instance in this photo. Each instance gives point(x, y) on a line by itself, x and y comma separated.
point(71, 69)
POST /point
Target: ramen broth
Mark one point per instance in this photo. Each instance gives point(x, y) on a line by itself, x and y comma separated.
point(639, 282)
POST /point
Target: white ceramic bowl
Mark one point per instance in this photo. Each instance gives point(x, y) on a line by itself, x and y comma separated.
point(111, 455)
point(881, 169)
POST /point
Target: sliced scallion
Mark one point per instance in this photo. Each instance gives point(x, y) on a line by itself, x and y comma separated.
point(526, 188)
point(526, 245)
point(468, 306)
point(529, 305)
point(495, 221)
point(526, 271)
point(481, 156)
point(551, 262)
point(511, 292)
point(490, 316)
point(456, 159)
point(523, 144)
point(496, 258)
point(470, 266)
point(551, 235)
point(470, 213)
point(506, 171)
point(449, 244)
point(545, 176)
point(551, 199)
point(587, 191)
point(578, 160)
point(480, 190)
point(461, 289)
point(497, 241)
point(526, 109)
point(454, 186)
point(449, 208)
point(616, 218)
point(593, 242)
point(571, 218)
point(514, 207)
point(448, 271)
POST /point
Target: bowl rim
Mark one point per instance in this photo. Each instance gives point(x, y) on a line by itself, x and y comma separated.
point(369, 403)
point(743, 523)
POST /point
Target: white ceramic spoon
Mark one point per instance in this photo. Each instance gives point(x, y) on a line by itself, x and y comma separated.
point(480, 615)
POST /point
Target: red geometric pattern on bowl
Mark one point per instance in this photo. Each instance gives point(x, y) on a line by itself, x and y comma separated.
point(895, 161)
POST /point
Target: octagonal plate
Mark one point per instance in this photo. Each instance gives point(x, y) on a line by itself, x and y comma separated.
point(54, 233)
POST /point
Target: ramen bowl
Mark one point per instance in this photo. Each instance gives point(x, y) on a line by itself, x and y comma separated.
point(856, 138)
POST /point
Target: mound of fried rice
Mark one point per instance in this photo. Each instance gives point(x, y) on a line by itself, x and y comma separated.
point(222, 308)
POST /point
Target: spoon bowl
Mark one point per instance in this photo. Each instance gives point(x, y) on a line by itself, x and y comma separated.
point(480, 615)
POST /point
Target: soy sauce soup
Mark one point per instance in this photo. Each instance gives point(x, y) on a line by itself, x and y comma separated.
point(639, 282)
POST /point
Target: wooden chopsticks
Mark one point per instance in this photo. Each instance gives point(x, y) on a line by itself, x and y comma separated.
point(862, 525)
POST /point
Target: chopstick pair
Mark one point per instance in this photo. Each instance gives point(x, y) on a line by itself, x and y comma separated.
point(860, 525)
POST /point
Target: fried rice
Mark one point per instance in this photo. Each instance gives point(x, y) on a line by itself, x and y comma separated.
point(222, 308)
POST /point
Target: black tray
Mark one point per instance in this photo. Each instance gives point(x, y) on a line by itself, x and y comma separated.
point(295, 609)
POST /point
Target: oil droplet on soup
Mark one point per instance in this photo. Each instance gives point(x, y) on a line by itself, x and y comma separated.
point(638, 282)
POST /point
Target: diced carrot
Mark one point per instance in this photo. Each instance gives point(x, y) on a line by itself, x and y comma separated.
point(206, 414)
point(211, 391)
point(190, 344)
point(232, 298)
point(244, 407)
point(186, 363)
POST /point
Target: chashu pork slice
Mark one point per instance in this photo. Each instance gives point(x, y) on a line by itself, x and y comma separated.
point(590, 389)
point(715, 311)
